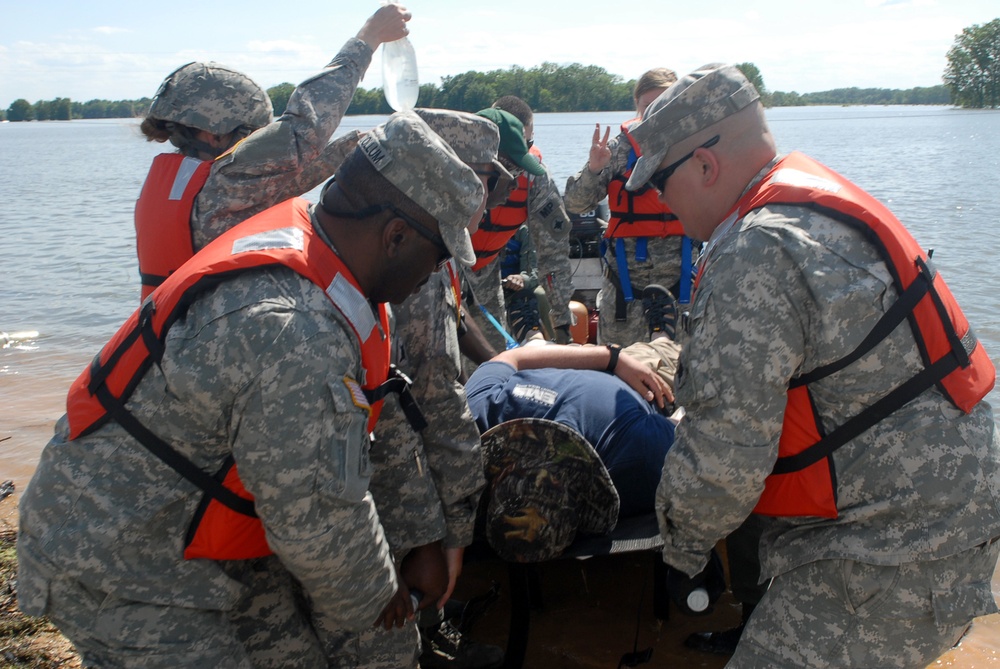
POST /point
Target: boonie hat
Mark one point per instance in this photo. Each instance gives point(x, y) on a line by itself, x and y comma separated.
point(546, 482)
point(211, 97)
point(512, 139)
point(473, 138)
point(692, 104)
point(414, 159)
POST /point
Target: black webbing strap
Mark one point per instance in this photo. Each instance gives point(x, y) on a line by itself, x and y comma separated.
point(869, 417)
point(400, 383)
point(621, 306)
point(900, 309)
point(151, 280)
point(957, 357)
point(171, 457)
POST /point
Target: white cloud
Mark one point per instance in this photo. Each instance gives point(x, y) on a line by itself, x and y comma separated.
point(110, 30)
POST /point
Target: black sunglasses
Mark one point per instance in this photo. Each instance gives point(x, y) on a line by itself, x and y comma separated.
point(425, 232)
point(659, 179)
point(493, 179)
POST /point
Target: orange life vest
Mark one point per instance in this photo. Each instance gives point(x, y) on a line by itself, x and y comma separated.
point(163, 216)
point(456, 289)
point(637, 213)
point(501, 222)
point(225, 526)
point(803, 480)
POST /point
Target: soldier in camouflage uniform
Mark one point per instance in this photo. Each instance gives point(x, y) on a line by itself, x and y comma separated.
point(426, 483)
point(662, 263)
point(213, 113)
point(263, 368)
point(893, 576)
point(549, 226)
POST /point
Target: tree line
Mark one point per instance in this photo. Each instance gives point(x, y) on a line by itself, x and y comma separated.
point(971, 79)
point(64, 109)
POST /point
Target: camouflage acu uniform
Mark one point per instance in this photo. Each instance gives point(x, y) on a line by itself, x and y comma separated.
point(549, 226)
point(785, 290)
point(584, 190)
point(426, 485)
point(286, 158)
point(425, 342)
point(256, 369)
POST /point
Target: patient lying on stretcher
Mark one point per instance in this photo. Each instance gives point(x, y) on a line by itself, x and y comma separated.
point(568, 446)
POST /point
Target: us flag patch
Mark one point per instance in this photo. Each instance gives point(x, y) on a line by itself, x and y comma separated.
point(357, 394)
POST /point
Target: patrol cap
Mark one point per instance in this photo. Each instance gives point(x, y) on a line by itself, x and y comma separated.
point(414, 159)
point(211, 97)
point(512, 139)
point(692, 104)
point(473, 138)
point(546, 482)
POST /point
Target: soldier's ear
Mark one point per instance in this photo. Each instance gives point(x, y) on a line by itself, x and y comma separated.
point(393, 236)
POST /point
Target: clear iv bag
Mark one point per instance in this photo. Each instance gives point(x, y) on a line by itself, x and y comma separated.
point(399, 74)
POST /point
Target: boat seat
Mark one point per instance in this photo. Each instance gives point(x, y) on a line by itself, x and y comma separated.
point(640, 533)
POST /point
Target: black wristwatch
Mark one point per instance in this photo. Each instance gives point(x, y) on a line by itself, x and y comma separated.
point(615, 350)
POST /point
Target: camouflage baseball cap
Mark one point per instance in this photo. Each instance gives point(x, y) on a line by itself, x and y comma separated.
point(545, 483)
point(474, 138)
point(512, 139)
point(211, 97)
point(414, 159)
point(695, 102)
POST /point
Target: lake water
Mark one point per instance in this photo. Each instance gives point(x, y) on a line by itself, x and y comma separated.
point(67, 190)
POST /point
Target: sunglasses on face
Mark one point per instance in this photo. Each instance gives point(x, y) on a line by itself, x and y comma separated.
point(425, 232)
point(659, 179)
point(492, 179)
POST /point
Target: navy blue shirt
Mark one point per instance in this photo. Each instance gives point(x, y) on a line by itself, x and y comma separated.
point(626, 431)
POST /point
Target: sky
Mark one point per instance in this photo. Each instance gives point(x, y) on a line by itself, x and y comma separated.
point(120, 50)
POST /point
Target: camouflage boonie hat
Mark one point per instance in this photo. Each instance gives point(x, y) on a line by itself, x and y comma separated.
point(695, 102)
point(474, 138)
point(414, 159)
point(211, 97)
point(545, 483)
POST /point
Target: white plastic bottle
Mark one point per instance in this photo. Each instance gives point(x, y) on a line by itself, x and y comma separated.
point(399, 74)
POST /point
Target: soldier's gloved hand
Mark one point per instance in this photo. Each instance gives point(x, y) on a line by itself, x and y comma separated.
point(563, 335)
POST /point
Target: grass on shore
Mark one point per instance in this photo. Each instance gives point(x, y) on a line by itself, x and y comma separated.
point(26, 641)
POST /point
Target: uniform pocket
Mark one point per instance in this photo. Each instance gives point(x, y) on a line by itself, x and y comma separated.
point(959, 605)
point(347, 453)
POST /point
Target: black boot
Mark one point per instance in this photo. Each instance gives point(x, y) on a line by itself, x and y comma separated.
point(444, 647)
point(660, 309)
point(723, 642)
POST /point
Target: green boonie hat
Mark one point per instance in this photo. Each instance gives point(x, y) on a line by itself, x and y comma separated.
point(546, 482)
point(692, 104)
point(512, 139)
point(474, 138)
point(211, 97)
point(414, 159)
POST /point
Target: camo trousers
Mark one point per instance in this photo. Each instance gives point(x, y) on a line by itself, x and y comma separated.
point(267, 629)
point(844, 613)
